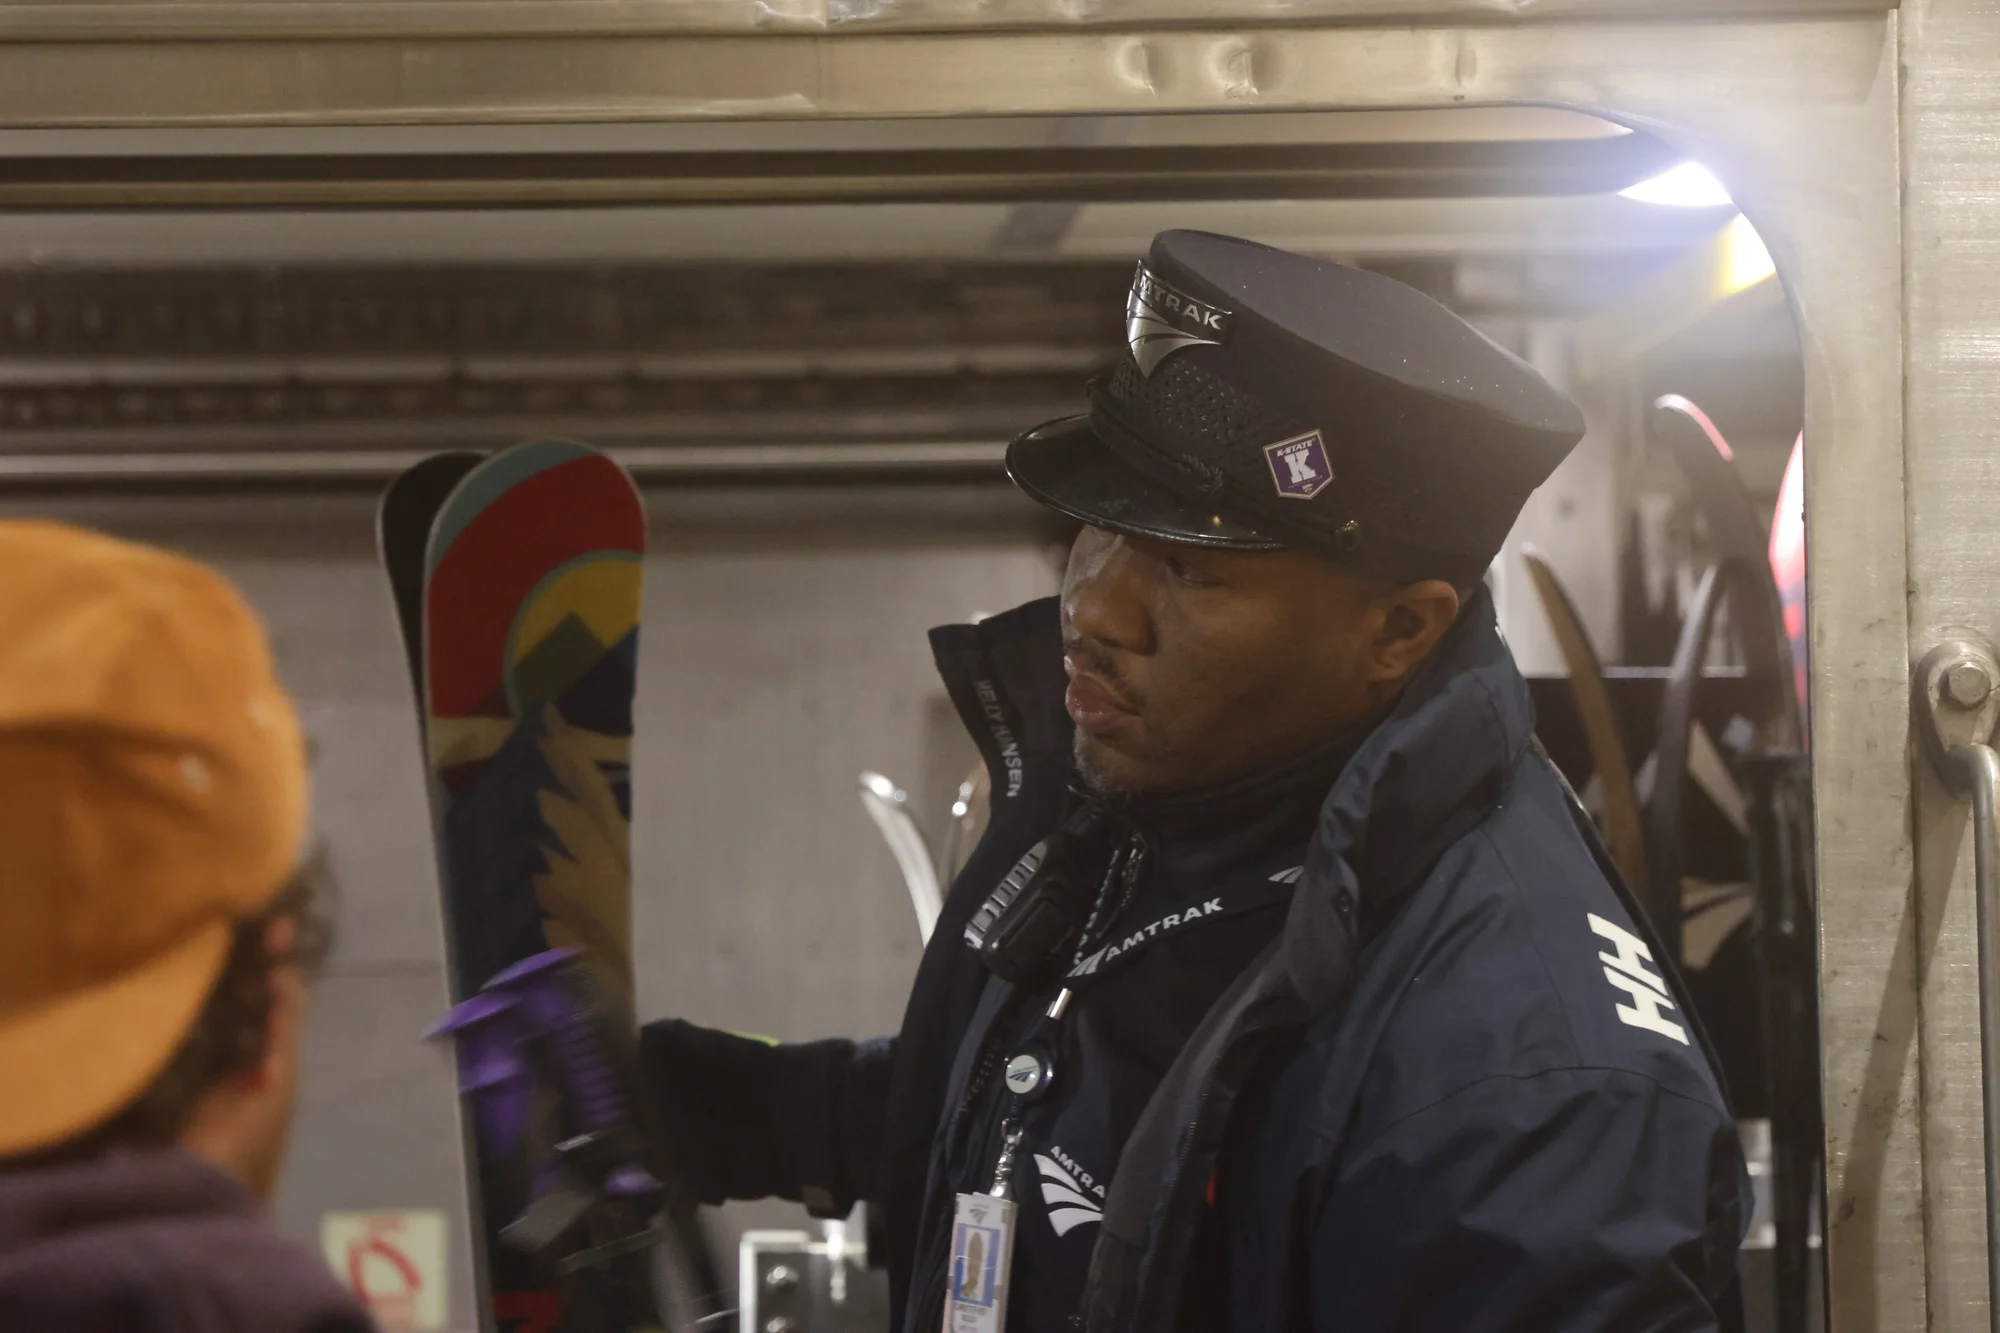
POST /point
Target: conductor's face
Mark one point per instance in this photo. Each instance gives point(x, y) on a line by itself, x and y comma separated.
point(1190, 666)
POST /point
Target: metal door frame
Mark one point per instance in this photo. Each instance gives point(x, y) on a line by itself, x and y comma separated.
point(1814, 110)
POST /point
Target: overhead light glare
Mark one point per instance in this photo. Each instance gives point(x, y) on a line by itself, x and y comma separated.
point(1689, 185)
point(1745, 261)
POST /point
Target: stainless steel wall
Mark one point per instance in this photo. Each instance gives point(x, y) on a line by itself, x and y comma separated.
point(783, 651)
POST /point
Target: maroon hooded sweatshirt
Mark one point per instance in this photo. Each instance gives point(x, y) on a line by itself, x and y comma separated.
point(154, 1243)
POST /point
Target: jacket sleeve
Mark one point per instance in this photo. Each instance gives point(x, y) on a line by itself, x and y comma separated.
point(749, 1119)
point(1571, 1201)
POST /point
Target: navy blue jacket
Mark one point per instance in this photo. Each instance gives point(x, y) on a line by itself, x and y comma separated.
point(1458, 1091)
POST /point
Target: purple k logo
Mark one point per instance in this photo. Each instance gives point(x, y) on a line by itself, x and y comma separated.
point(1299, 466)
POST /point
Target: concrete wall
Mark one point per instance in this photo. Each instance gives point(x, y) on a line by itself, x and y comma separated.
point(783, 651)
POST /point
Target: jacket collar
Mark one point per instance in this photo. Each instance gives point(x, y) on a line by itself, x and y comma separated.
point(1436, 764)
point(1436, 767)
point(1005, 677)
point(1432, 768)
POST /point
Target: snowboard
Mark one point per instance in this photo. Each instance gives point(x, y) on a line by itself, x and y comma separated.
point(517, 580)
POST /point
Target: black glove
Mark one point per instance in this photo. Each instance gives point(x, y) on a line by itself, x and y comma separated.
point(752, 1120)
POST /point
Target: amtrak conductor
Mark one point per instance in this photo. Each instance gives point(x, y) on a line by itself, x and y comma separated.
point(1288, 989)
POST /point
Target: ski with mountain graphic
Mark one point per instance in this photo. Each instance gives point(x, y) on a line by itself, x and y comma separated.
point(523, 641)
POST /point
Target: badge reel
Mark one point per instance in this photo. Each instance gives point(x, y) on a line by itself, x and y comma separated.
point(982, 1228)
point(1031, 1072)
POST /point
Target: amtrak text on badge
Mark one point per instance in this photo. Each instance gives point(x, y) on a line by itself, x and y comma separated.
point(1161, 320)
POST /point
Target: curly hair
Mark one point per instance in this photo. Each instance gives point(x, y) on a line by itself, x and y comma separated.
point(229, 1035)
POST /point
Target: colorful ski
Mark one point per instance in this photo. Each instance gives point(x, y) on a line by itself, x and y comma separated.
point(531, 610)
point(402, 532)
point(530, 614)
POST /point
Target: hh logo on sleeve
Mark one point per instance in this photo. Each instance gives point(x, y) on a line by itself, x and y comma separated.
point(1627, 970)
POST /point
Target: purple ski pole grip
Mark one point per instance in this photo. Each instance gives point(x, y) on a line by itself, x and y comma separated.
point(492, 1074)
point(550, 990)
point(551, 1003)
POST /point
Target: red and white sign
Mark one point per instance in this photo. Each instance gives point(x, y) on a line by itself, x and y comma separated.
point(392, 1261)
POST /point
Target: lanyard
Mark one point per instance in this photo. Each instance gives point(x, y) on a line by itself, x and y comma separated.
point(1029, 1072)
point(978, 1265)
point(1246, 892)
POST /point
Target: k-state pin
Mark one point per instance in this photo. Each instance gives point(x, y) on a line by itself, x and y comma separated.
point(1028, 1074)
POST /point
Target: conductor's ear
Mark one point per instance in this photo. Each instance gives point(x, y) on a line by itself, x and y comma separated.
point(1409, 620)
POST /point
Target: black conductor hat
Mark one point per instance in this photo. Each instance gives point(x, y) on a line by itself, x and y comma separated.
point(1268, 400)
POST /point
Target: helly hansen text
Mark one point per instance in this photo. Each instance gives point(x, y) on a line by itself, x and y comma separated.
point(1003, 735)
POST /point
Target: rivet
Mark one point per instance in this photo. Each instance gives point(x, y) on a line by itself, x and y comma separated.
point(1348, 535)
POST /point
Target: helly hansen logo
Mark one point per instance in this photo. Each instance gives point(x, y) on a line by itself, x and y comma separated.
point(1627, 970)
point(1299, 466)
point(1067, 1189)
point(1159, 321)
point(1003, 735)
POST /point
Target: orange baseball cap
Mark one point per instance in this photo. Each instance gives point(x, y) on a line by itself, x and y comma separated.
point(152, 792)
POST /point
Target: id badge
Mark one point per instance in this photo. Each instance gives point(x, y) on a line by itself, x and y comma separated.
point(982, 1251)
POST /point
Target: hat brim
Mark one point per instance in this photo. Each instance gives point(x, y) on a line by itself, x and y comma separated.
point(74, 1062)
point(1067, 467)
